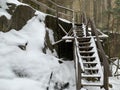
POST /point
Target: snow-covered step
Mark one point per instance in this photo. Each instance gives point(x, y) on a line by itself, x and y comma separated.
point(86, 51)
point(92, 83)
point(91, 68)
point(90, 62)
point(91, 76)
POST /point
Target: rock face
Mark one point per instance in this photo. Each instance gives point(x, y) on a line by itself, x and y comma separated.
point(21, 15)
point(3, 23)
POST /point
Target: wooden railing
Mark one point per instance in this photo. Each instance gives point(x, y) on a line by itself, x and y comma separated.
point(102, 53)
point(79, 68)
point(58, 10)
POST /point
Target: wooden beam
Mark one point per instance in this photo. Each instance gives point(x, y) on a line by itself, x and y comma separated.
point(57, 42)
point(62, 29)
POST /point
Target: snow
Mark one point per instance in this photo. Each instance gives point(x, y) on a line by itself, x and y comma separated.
point(14, 1)
point(84, 29)
point(97, 58)
point(5, 13)
point(20, 84)
point(51, 37)
point(4, 6)
point(115, 82)
point(64, 20)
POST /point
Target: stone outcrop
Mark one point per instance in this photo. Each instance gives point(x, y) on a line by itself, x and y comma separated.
point(21, 15)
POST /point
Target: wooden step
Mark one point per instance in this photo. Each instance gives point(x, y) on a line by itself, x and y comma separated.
point(91, 77)
point(89, 62)
point(84, 39)
point(91, 68)
point(85, 48)
point(88, 58)
point(85, 44)
point(86, 53)
point(79, 30)
point(92, 83)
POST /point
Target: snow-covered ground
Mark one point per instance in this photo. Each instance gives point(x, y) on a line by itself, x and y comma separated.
point(30, 69)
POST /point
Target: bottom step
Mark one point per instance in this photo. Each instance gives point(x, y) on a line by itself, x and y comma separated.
point(92, 84)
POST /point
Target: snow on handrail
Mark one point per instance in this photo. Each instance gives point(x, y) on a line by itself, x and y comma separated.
point(84, 29)
point(77, 54)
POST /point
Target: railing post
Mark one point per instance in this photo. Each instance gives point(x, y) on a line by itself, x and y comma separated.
point(88, 22)
point(73, 19)
point(77, 69)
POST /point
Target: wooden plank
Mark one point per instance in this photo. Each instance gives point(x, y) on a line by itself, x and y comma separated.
point(57, 42)
point(62, 29)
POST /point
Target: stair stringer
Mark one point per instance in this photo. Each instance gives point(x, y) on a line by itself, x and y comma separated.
point(97, 58)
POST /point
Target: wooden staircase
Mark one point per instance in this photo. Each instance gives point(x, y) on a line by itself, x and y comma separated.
point(93, 73)
point(88, 68)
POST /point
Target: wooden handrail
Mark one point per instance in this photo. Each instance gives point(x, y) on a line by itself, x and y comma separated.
point(51, 9)
point(79, 67)
point(104, 58)
point(61, 7)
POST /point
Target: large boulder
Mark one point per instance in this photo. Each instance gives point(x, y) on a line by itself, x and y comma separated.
point(20, 16)
point(3, 23)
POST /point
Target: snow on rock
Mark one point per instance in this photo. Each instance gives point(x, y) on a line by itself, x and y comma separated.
point(4, 6)
point(5, 13)
point(31, 62)
point(32, 59)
